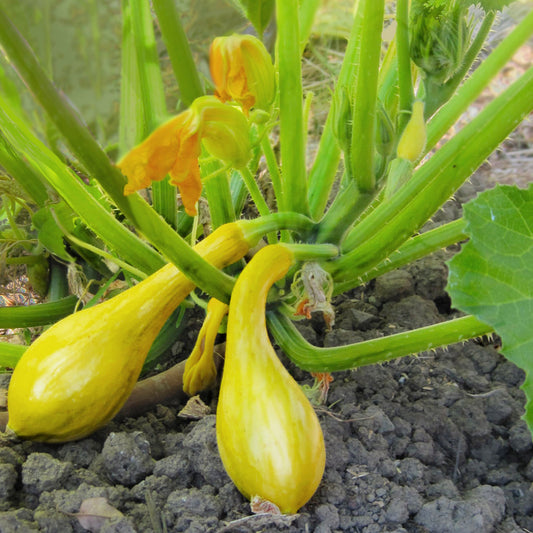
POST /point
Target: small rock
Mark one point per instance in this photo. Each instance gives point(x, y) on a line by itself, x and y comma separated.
point(481, 510)
point(397, 512)
point(394, 285)
point(412, 312)
point(42, 472)
point(520, 438)
point(126, 457)
point(17, 522)
point(8, 479)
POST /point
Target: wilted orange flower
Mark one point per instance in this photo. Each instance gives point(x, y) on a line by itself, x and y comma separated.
point(174, 147)
point(242, 71)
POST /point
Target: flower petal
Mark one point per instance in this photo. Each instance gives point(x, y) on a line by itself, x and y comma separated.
point(155, 156)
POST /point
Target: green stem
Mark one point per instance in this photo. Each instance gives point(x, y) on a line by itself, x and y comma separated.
point(324, 169)
point(395, 220)
point(312, 252)
point(151, 95)
point(480, 78)
point(273, 170)
point(413, 249)
point(314, 359)
point(131, 128)
point(97, 251)
point(254, 191)
point(404, 63)
point(76, 194)
point(363, 140)
point(256, 228)
point(178, 50)
point(218, 193)
point(10, 354)
point(291, 111)
point(28, 316)
point(349, 203)
point(18, 168)
point(306, 17)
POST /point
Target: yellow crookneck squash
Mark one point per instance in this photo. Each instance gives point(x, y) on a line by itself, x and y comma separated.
point(76, 376)
point(268, 434)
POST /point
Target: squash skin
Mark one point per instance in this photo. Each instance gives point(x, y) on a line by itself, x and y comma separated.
point(76, 376)
point(268, 434)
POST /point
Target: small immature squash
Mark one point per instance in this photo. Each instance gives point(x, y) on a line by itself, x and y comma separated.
point(76, 376)
point(268, 434)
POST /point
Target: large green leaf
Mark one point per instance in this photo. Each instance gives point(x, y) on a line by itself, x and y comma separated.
point(492, 277)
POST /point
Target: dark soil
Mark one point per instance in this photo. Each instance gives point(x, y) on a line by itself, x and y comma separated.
point(432, 443)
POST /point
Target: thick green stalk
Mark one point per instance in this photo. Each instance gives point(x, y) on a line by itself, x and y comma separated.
point(349, 203)
point(178, 50)
point(324, 169)
point(405, 79)
point(218, 193)
point(395, 220)
point(10, 354)
point(291, 108)
point(314, 359)
point(480, 78)
point(131, 129)
point(151, 94)
point(27, 316)
point(413, 249)
point(312, 252)
point(363, 140)
point(257, 227)
point(273, 170)
point(16, 166)
point(306, 16)
point(255, 192)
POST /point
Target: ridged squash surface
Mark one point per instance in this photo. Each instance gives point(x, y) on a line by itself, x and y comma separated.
point(268, 434)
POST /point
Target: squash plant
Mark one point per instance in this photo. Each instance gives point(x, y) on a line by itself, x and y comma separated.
point(353, 213)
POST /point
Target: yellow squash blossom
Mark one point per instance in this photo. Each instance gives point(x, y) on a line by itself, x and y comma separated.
point(242, 71)
point(174, 147)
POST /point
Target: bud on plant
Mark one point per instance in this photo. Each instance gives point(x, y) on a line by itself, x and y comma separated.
point(242, 70)
point(439, 36)
point(224, 130)
point(413, 140)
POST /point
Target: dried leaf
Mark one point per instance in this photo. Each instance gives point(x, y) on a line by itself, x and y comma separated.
point(195, 409)
point(259, 505)
point(95, 512)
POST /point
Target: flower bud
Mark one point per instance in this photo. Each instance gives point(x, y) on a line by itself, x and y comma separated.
point(242, 70)
point(439, 37)
point(224, 131)
point(413, 139)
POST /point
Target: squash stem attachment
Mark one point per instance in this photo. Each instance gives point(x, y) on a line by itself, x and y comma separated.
point(315, 359)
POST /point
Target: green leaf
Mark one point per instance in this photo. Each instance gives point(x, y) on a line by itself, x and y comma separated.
point(49, 233)
point(489, 5)
point(492, 277)
point(258, 12)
